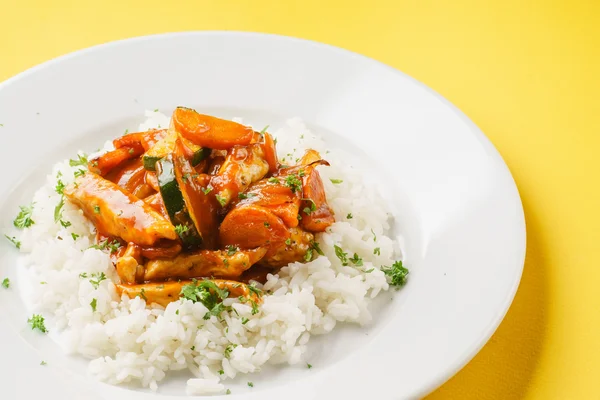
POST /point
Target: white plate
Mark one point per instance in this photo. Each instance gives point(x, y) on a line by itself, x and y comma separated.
point(456, 203)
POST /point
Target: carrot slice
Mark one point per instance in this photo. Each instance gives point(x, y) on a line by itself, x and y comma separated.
point(103, 164)
point(211, 132)
point(200, 205)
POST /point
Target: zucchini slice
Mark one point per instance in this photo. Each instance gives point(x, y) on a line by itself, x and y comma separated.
point(167, 145)
point(173, 199)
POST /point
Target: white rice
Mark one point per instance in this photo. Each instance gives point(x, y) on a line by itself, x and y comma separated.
point(128, 341)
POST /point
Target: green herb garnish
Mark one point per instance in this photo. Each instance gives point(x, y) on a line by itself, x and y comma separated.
point(308, 255)
point(341, 255)
point(336, 181)
point(293, 182)
point(181, 229)
point(96, 209)
point(74, 236)
point(273, 180)
point(377, 251)
point(356, 260)
point(207, 190)
point(250, 384)
point(96, 278)
point(222, 201)
point(349, 216)
point(23, 219)
point(245, 320)
point(37, 322)
point(58, 210)
point(81, 160)
point(207, 293)
point(397, 273)
point(6, 283)
point(14, 241)
point(93, 304)
point(231, 250)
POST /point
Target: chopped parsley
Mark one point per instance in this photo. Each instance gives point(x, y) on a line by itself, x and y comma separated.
point(253, 289)
point(6, 283)
point(83, 275)
point(43, 363)
point(341, 255)
point(250, 384)
point(222, 201)
point(308, 255)
point(207, 190)
point(397, 273)
point(181, 229)
point(315, 246)
point(23, 219)
point(226, 263)
point(74, 236)
point(79, 172)
point(228, 391)
point(221, 372)
point(58, 210)
point(231, 249)
point(208, 293)
point(229, 349)
point(267, 225)
point(377, 251)
point(293, 182)
point(43, 283)
point(308, 366)
point(336, 181)
point(193, 348)
point(374, 235)
point(313, 207)
point(255, 309)
point(356, 260)
point(106, 245)
point(131, 151)
point(177, 312)
point(243, 196)
point(301, 173)
point(264, 130)
point(14, 241)
point(96, 278)
point(245, 320)
point(288, 241)
point(65, 224)
point(349, 216)
point(93, 304)
point(273, 180)
point(60, 186)
point(37, 322)
point(156, 110)
point(96, 209)
point(126, 132)
point(81, 160)
point(143, 294)
point(369, 270)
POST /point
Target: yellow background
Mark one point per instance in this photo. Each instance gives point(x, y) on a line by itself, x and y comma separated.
point(528, 73)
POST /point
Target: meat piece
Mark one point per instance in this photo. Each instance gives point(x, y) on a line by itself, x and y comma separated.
point(131, 177)
point(144, 139)
point(162, 249)
point(207, 131)
point(316, 213)
point(127, 265)
point(243, 166)
point(115, 212)
point(205, 263)
point(276, 197)
point(292, 250)
point(164, 293)
point(251, 226)
point(156, 202)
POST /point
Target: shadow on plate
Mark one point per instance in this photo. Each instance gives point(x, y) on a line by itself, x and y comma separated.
point(504, 367)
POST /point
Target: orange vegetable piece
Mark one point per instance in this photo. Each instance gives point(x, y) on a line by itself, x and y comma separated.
point(207, 131)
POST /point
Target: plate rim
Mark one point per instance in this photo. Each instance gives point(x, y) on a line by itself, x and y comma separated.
point(469, 353)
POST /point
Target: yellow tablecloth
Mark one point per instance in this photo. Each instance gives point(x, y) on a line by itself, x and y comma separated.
point(527, 72)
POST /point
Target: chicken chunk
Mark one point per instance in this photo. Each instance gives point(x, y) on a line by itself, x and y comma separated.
point(117, 213)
